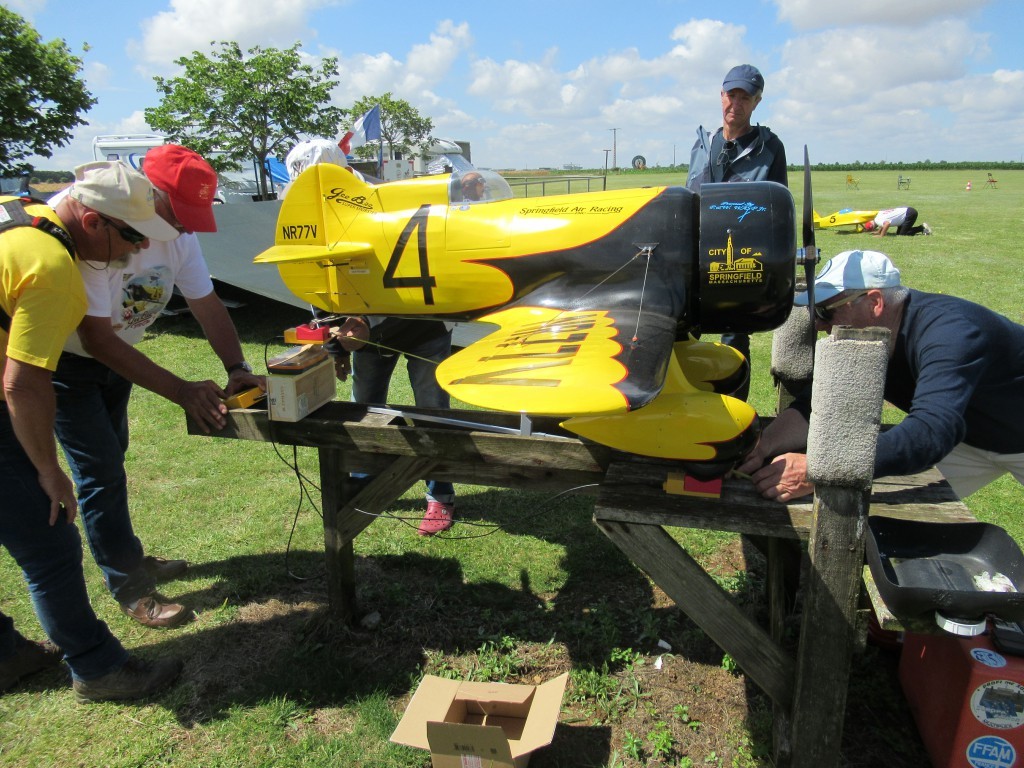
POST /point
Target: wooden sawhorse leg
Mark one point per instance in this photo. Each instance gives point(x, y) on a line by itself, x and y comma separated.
point(700, 597)
point(348, 508)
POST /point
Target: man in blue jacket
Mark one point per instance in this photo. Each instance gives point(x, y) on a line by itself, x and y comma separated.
point(738, 152)
point(955, 367)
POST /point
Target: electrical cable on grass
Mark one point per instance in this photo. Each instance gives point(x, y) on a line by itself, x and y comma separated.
point(412, 522)
point(304, 493)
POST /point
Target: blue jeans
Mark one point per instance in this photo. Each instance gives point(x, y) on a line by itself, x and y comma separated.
point(50, 558)
point(371, 376)
point(92, 426)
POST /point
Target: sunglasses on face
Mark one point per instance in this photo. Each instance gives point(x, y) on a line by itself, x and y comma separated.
point(826, 314)
point(132, 236)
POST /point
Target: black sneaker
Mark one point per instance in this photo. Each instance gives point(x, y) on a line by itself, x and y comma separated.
point(164, 570)
point(29, 657)
point(135, 679)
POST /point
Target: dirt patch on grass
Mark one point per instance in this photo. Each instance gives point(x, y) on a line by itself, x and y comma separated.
point(647, 686)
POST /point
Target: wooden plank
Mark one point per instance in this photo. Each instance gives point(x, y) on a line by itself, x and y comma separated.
point(345, 426)
point(376, 496)
point(476, 473)
point(704, 601)
point(633, 492)
point(335, 487)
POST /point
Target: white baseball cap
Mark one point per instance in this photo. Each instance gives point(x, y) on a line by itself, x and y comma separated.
point(850, 271)
point(119, 191)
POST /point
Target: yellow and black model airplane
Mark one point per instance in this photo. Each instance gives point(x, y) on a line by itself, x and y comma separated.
point(599, 297)
point(844, 218)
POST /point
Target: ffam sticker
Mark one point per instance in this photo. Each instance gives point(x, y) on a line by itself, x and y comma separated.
point(991, 752)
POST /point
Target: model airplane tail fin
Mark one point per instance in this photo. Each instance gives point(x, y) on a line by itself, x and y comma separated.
point(318, 210)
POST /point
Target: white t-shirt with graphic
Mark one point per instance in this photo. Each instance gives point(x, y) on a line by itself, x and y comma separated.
point(134, 296)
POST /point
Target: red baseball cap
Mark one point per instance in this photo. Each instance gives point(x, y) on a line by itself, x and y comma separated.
point(189, 182)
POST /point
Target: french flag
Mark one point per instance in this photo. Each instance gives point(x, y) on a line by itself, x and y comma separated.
point(366, 128)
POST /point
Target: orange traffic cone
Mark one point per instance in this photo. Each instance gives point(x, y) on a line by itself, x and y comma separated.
point(968, 187)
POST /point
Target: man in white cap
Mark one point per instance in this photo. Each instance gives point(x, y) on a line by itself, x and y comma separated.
point(955, 367)
point(108, 215)
point(738, 152)
point(312, 152)
point(100, 364)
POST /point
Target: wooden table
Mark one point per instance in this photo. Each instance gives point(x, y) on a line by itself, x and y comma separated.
point(631, 509)
point(634, 512)
point(399, 452)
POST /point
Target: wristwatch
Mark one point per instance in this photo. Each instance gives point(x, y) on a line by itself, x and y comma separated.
point(242, 366)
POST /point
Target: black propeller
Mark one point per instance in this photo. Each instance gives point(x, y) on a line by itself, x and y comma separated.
point(808, 255)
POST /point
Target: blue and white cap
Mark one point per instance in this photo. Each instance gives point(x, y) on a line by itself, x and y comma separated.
point(851, 271)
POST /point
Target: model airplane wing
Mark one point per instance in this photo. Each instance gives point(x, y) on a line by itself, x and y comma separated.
point(557, 362)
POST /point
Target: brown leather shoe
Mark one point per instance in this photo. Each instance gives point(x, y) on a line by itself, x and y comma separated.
point(157, 611)
point(164, 570)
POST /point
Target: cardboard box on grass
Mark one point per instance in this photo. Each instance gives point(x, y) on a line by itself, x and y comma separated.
point(480, 725)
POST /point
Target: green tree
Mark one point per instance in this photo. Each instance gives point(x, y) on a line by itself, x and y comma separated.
point(52, 177)
point(401, 125)
point(234, 108)
point(42, 95)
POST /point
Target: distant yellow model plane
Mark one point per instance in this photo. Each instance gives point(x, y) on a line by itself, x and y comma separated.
point(599, 297)
point(844, 218)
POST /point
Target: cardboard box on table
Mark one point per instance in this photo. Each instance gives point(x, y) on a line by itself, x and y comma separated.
point(291, 397)
point(478, 725)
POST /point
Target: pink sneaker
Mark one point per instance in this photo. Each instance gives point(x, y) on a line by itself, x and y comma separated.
point(438, 518)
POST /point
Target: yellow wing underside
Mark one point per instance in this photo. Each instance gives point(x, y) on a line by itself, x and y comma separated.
point(548, 362)
point(541, 361)
point(687, 421)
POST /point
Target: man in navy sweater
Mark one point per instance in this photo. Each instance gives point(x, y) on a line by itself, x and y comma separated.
point(955, 367)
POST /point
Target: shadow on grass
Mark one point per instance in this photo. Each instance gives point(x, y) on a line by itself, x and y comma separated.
point(878, 728)
point(605, 602)
point(262, 637)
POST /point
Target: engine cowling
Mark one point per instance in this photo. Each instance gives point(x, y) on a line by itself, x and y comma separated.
point(747, 257)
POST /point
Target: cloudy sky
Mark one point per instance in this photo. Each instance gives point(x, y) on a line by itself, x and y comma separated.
point(535, 84)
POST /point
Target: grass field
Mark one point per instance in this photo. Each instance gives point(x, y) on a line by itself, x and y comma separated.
point(525, 588)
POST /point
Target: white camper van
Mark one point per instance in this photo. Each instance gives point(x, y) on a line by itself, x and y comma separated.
point(130, 148)
point(234, 186)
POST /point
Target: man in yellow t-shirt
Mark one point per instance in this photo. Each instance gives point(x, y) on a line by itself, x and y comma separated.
point(108, 216)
